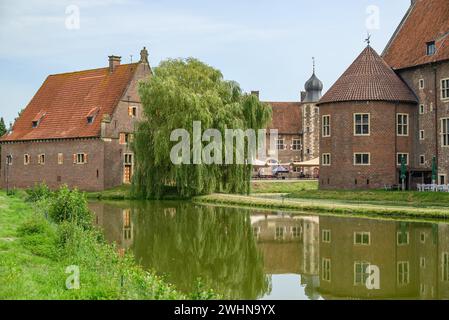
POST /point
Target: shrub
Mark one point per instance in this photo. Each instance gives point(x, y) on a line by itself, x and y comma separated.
point(71, 206)
point(34, 225)
point(38, 192)
point(38, 236)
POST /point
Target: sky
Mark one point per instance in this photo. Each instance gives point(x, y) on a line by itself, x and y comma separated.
point(263, 45)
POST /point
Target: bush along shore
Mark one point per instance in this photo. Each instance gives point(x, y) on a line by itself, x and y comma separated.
point(48, 243)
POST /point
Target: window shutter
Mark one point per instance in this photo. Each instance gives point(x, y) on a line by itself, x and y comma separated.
point(85, 157)
point(74, 158)
point(39, 159)
point(122, 138)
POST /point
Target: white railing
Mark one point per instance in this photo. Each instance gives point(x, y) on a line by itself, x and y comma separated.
point(433, 187)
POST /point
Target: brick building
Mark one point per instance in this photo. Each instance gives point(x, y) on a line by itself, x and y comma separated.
point(298, 128)
point(383, 109)
point(76, 130)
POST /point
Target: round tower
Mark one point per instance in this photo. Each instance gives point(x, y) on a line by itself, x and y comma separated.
point(366, 126)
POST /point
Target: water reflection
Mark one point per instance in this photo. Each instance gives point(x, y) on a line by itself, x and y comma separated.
point(249, 255)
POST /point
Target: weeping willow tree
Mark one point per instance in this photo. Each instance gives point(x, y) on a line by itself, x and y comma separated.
point(180, 93)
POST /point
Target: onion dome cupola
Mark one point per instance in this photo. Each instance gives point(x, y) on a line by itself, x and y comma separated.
point(313, 87)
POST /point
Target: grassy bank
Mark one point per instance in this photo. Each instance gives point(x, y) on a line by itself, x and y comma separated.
point(310, 205)
point(34, 255)
point(286, 186)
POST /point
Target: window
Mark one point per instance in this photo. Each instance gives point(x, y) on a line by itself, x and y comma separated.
point(9, 160)
point(422, 159)
point(422, 135)
point(90, 119)
point(362, 159)
point(80, 158)
point(402, 123)
point(422, 109)
point(445, 132)
point(362, 238)
point(362, 124)
point(402, 156)
point(280, 144)
point(296, 144)
point(403, 238)
point(421, 84)
point(41, 159)
point(422, 262)
point(326, 269)
point(35, 124)
point(403, 273)
point(445, 89)
point(128, 158)
point(326, 126)
point(280, 231)
point(431, 48)
point(326, 236)
point(360, 272)
point(26, 159)
point(445, 266)
point(442, 179)
point(132, 111)
point(296, 232)
point(126, 138)
point(326, 159)
point(423, 237)
point(60, 158)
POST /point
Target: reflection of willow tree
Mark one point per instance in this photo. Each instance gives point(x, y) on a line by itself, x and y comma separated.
point(187, 242)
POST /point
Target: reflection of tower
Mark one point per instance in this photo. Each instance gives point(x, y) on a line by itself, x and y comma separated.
point(127, 229)
point(310, 244)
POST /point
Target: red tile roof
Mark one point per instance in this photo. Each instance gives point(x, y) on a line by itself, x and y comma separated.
point(64, 101)
point(287, 117)
point(426, 21)
point(369, 78)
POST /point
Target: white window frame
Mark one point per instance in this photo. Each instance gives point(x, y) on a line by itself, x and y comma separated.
point(422, 262)
point(444, 132)
point(402, 125)
point(404, 154)
point(79, 156)
point(125, 156)
point(362, 233)
point(444, 89)
point(60, 158)
point(326, 267)
point(9, 160)
point(421, 84)
point(422, 135)
point(440, 180)
point(296, 144)
point(398, 234)
point(326, 156)
point(326, 236)
point(364, 273)
point(326, 126)
point(39, 158)
point(362, 124)
point(26, 157)
point(405, 280)
point(278, 145)
point(422, 109)
point(362, 153)
point(422, 157)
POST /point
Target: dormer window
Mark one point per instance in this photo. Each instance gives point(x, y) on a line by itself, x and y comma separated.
point(37, 119)
point(431, 48)
point(91, 115)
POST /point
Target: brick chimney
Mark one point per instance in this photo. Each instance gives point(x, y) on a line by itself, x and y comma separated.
point(144, 55)
point(114, 62)
point(255, 93)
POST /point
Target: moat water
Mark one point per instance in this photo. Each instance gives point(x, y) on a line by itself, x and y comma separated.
point(251, 254)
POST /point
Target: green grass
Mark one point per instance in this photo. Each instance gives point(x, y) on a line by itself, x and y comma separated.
point(35, 253)
point(283, 186)
point(119, 193)
point(327, 207)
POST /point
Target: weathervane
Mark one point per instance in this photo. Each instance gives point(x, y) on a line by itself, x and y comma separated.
point(131, 56)
point(313, 60)
point(368, 39)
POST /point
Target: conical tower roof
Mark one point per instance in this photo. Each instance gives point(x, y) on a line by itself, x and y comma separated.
point(369, 78)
